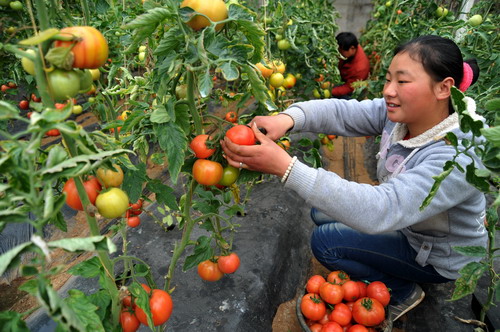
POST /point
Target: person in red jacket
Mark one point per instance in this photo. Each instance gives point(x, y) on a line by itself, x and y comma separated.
point(355, 67)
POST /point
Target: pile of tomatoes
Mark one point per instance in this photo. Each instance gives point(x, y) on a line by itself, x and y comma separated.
point(339, 304)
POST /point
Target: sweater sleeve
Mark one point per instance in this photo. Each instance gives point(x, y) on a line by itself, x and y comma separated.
point(339, 116)
point(342, 90)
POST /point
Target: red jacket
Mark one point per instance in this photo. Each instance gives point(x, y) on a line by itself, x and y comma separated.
point(351, 70)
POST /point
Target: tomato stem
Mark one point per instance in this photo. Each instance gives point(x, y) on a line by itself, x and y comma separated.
point(198, 128)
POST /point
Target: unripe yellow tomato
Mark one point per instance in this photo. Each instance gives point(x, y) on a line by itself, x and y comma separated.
point(109, 178)
point(112, 203)
point(216, 10)
point(28, 65)
point(96, 73)
point(276, 80)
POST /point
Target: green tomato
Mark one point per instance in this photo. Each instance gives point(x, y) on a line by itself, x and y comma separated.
point(112, 203)
point(77, 109)
point(268, 20)
point(441, 12)
point(16, 5)
point(284, 44)
point(229, 176)
point(85, 80)
point(181, 91)
point(142, 48)
point(388, 3)
point(141, 56)
point(475, 20)
point(64, 84)
point(28, 65)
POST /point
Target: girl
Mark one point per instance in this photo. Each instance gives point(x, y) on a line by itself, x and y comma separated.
point(379, 232)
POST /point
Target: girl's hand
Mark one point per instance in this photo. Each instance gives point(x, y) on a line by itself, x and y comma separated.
point(275, 125)
point(266, 157)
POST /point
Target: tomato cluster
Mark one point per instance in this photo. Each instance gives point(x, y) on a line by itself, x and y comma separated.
point(338, 303)
point(132, 215)
point(132, 316)
point(214, 269)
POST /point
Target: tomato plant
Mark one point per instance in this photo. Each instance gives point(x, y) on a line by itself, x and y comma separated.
point(112, 203)
point(207, 172)
point(229, 263)
point(209, 270)
point(161, 306)
point(368, 311)
point(312, 307)
point(109, 177)
point(89, 47)
point(92, 188)
point(199, 147)
point(241, 134)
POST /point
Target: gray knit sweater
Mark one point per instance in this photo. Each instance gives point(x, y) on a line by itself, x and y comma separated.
point(455, 217)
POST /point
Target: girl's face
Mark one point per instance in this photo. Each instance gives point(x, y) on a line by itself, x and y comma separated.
point(410, 95)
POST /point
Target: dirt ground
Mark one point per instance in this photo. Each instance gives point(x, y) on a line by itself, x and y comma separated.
point(348, 160)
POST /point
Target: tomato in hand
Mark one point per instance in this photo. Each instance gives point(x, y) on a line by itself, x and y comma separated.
point(229, 263)
point(129, 321)
point(378, 290)
point(351, 290)
point(312, 307)
point(207, 172)
point(341, 314)
point(92, 188)
point(331, 293)
point(338, 277)
point(229, 176)
point(241, 134)
point(231, 117)
point(209, 271)
point(199, 147)
point(112, 203)
point(90, 51)
point(161, 306)
point(109, 177)
point(133, 221)
point(368, 311)
point(314, 283)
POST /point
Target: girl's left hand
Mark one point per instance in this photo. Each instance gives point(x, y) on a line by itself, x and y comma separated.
point(266, 157)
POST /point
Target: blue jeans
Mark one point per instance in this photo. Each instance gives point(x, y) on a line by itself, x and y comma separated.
point(386, 257)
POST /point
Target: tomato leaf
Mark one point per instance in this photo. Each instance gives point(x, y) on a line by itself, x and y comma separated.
point(92, 243)
point(84, 310)
point(160, 114)
point(101, 299)
point(12, 257)
point(133, 180)
point(60, 57)
point(205, 84)
point(492, 134)
point(469, 276)
point(152, 17)
point(170, 42)
point(164, 194)
point(259, 90)
point(202, 252)
point(473, 251)
point(41, 37)
point(13, 321)
point(475, 179)
point(230, 71)
point(173, 141)
point(8, 111)
point(87, 269)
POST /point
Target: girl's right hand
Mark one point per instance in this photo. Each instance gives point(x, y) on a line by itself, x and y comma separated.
point(275, 125)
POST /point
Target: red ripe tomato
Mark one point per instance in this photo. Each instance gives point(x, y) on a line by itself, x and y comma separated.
point(241, 134)
point(362, 288)
point(133, 221)
point(312, 307)
point(357, 328)
point(207, 172)
point(53, 132)
point(351, 290)
point(325, 319)
point(231, 117)
point(209, 271)
point(90, 51)
point(341, 314)
point(338, 277)
point(5, 87)
point(138, 205)
point(368, 311)
point(129, 321)
point(378, 290)
point(316, 327)
point(35, 98)
point(314, 283)
point(332, 327)
point(199, 147)
point(24, 104)
point(127, 301)
point(92, 187)
point(229, 263)
point(161, 306)
point(331, 293)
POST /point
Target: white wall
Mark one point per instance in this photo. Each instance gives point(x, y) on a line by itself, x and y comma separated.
point(354, 14)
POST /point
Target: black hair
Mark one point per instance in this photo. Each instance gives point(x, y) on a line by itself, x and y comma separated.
point(440, 57)
point(346, 40)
